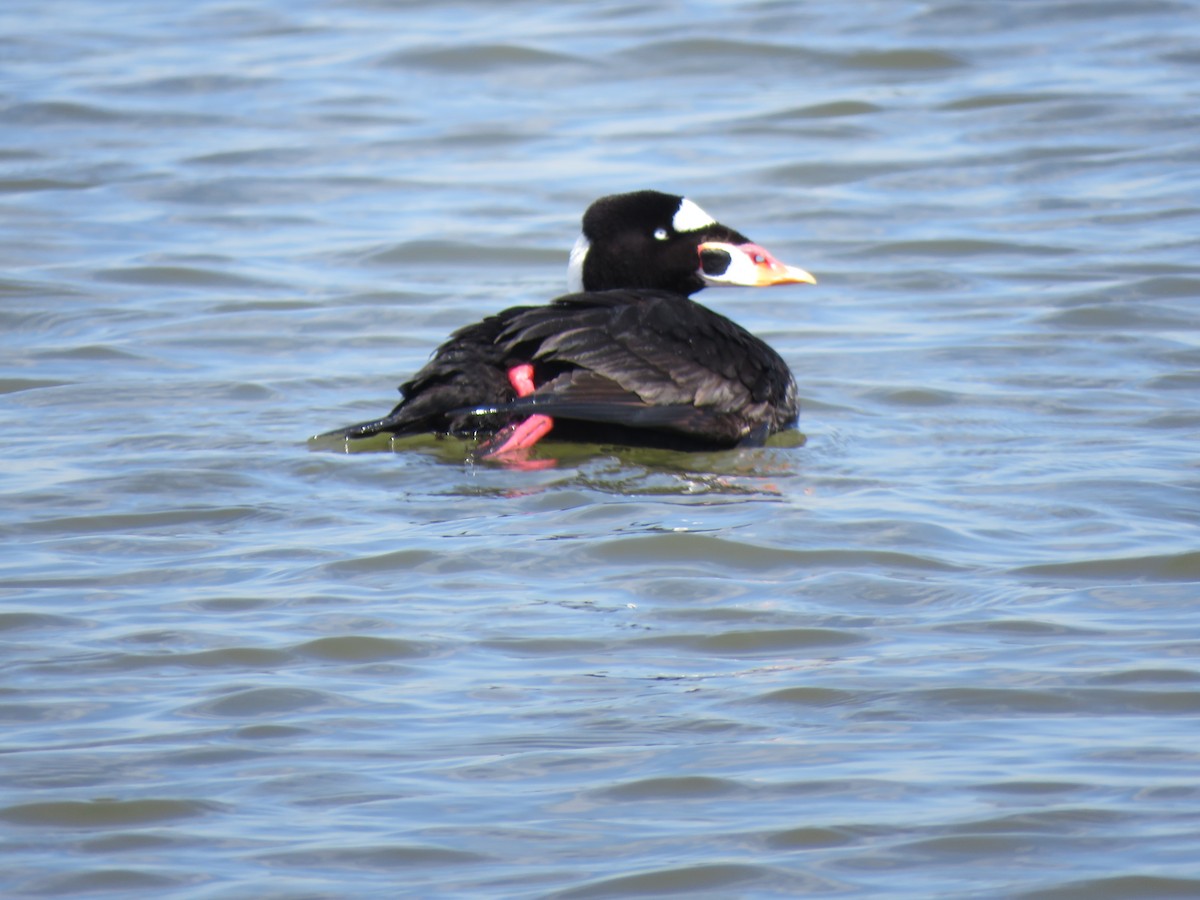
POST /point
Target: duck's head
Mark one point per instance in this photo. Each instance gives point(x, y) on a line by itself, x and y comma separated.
point(652, 240)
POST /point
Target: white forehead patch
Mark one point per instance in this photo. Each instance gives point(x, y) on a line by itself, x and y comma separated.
point(575, 265)
point(690, 217)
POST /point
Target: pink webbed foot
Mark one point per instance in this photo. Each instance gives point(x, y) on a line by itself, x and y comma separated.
point(512, 442)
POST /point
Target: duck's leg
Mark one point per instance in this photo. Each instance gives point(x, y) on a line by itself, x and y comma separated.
point(520, 435)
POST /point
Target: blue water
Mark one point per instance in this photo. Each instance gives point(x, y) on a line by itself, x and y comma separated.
point(942, 643)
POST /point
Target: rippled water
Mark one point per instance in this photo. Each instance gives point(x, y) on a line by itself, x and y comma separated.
point(945, 646)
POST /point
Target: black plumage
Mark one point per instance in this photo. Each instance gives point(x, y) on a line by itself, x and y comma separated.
point(632, 358)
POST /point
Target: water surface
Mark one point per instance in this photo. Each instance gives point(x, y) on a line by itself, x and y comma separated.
point(944, 645)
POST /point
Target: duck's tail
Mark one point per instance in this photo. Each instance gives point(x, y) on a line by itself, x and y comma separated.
point(398, 422)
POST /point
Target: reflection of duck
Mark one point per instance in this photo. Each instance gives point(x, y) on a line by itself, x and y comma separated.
point(626, 358)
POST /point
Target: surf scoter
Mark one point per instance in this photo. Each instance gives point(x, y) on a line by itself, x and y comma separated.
point(627, 357)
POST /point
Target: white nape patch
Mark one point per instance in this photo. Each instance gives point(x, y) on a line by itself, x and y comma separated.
point(690, 217)
point(575, 266)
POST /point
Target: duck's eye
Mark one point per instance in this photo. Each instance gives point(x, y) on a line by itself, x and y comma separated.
point(660, 234)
